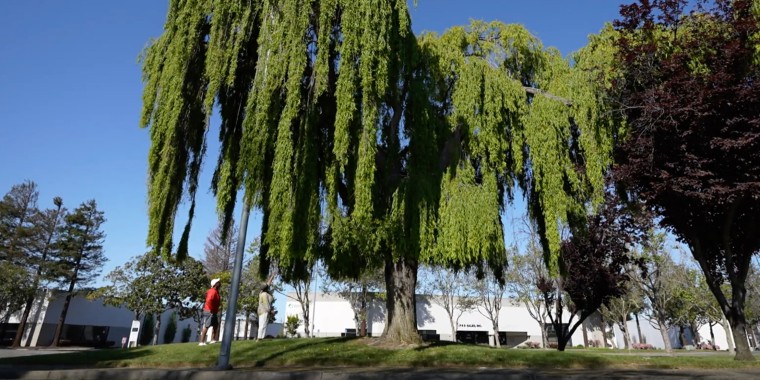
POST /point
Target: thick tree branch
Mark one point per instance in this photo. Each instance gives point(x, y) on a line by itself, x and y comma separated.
point(536, 91)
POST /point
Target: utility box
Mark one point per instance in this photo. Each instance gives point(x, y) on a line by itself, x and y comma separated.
point(134, 334)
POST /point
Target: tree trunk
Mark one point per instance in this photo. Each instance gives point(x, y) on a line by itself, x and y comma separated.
point(695, 337)
point(626, 336)
point(157, 328)
point(585, 335)
point(401, 318)
point(729, 335)
point(69, 294)
point(738, 329)
point(306, 329)
point(496, 335)
point(562, 340)
point(712, 337)
point(35, 284)
point(453, 329)
point(363, 314)
point(62, 317)
point(247, 324)
point(638, 327)
point(665, 336)
point(544, 338)
point(24, 317)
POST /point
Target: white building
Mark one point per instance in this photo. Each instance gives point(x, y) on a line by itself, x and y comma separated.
point(90, 322)
point(332, 316)
point(651, 335)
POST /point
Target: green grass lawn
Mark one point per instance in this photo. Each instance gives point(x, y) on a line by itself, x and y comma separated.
point(332, 352)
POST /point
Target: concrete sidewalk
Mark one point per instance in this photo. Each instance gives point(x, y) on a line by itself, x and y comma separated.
point(367, 374)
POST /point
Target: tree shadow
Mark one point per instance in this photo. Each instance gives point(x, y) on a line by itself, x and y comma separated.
point(304, 344)
point(424, 315)
point(72, 360)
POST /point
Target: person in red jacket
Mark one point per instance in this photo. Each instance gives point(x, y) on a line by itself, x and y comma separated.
point(211, 313)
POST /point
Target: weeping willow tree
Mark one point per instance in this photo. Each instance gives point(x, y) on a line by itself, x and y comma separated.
point(363, 145)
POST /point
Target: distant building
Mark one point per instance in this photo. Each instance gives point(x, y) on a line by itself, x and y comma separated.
point(333, 316)
point(92, 323)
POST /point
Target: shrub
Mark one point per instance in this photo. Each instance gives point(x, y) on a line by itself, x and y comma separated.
point(532, 344)
point(553, 345)
point(171, 329)
point(291, 325)
point(186, 333)
point(146, 333)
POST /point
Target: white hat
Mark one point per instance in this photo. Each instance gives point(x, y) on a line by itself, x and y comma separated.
point(214, 281)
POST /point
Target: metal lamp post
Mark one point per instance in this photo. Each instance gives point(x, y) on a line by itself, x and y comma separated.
point(229, 323)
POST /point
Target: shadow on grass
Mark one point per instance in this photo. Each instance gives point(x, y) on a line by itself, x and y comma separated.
point(441, 343)
point(81, 359)
point(461, 354)
point(307, 347)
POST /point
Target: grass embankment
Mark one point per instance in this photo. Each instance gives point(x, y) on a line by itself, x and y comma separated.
point(337, 352)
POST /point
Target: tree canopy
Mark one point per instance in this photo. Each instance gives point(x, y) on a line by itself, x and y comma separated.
point(371, 149)
point(689, 90)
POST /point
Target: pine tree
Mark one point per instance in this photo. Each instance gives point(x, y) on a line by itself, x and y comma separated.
point(374, 149)
point(80, 255)
point(17, 234)
point(48, 227)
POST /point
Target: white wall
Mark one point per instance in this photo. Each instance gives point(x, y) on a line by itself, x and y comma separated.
point(653, 336)
point(333, 315)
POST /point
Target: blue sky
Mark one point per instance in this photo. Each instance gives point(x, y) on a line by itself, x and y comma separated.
point(70, 98)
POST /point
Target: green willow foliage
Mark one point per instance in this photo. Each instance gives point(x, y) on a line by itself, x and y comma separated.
point(362, 143)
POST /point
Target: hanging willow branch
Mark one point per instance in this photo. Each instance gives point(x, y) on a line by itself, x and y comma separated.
point(363, 144)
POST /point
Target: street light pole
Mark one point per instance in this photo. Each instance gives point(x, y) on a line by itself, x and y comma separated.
point(229, 322)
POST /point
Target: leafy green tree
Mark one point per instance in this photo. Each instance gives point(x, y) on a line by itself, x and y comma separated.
point(620, 309)
point(406, 148)
point(709, 310)
point(80, 254)
point(187, 332)
point(656, 285)
point(292, 324)
point(148, 330)
point(18, 232)
point(685, 309)
point(149, 285)
point(11, 299)
point(688, 89)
